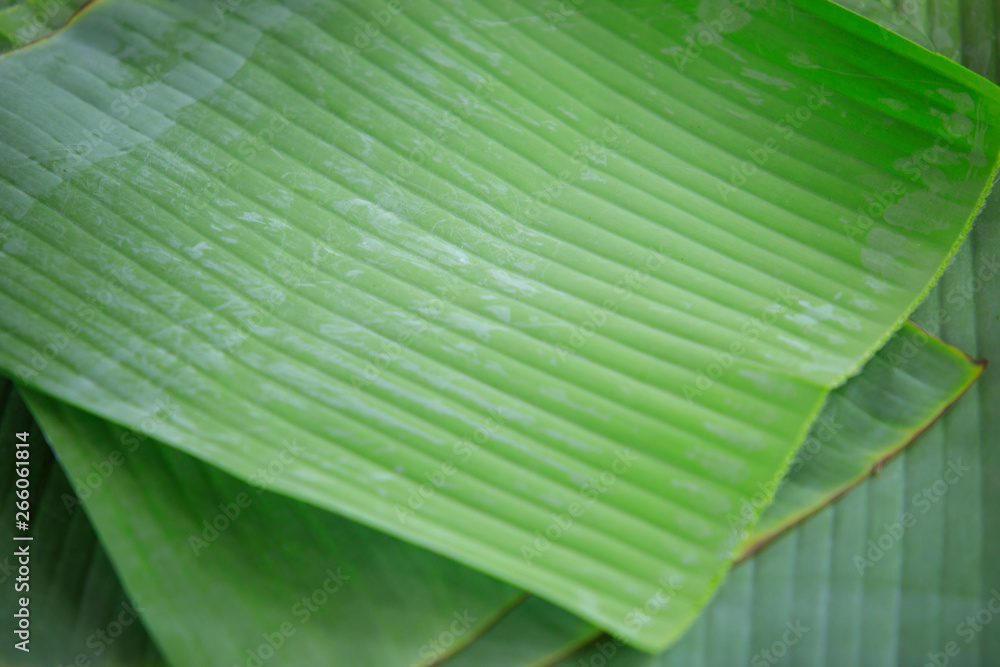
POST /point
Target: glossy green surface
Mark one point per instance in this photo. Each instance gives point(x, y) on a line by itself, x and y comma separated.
point(162, 536)
point(915, 600)
point(241, 212)
point(224, 570)
point(903, 389)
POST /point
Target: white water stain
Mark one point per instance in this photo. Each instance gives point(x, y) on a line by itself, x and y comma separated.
point(893, 245)
point(878, 286)
point(767, 79)
point(912, 212)
point(750, 95)
point(801, 59)
point(894, 104)
point(501, 312)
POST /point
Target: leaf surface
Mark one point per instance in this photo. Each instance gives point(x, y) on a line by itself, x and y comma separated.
point(28, 20)
point(226, 572)
point(568, 302)
point(908, 604)
point(866, 422)
point(79, 612)
point(120, 475)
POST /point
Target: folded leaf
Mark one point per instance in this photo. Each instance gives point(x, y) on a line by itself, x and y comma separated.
point(485, 272)
point(192, 541)
point(533, 632)
point(29, 20)
point(902, 605)
point(77, 605)
point(867, 421)
point(870, 419)
point(886, 15)
point(225, 572)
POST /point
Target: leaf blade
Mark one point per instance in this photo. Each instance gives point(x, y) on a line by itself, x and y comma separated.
point(296, 378)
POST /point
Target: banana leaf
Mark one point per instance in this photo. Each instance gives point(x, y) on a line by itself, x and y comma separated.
point(916, 603)
point(198, 555)
point(587, 280)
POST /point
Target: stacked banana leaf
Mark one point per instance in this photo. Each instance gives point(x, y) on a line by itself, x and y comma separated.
point(499, 333)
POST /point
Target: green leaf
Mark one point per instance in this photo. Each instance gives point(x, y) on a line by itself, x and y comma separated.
point(484, 257)
point(884, 14)
point(532, 632)
point(900, 392)
point(27, 21)
point(227, 572)
point(920, 594)
point(77, 605)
